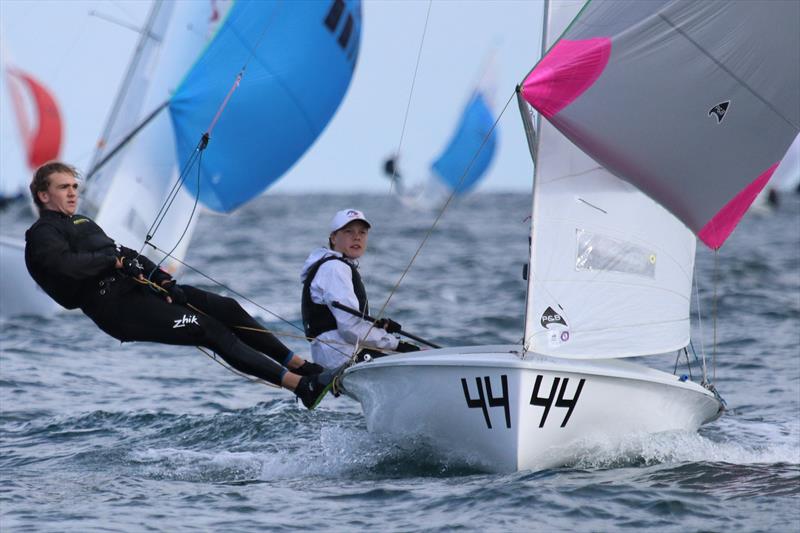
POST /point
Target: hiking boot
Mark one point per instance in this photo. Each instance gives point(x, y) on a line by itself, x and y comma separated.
point(308, 369)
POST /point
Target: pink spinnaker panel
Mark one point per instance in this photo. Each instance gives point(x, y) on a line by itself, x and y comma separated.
point(565, 73)
point(718, 228)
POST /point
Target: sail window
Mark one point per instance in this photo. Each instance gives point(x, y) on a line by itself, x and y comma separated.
point(602, 253)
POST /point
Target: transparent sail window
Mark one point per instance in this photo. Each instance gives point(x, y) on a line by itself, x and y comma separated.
point(597, 252)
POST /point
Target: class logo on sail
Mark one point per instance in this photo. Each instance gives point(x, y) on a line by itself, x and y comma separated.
point(550, 317)
point(719, 110)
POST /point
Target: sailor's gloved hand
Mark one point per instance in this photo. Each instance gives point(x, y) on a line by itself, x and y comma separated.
point(389, 325)
point(405, 347)
point(131, 267)
point(176, 294)
point(160, 277)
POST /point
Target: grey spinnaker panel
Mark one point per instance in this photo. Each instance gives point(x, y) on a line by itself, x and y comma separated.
point(649, 116)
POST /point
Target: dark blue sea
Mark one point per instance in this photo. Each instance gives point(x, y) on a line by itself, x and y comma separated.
point(99, 436)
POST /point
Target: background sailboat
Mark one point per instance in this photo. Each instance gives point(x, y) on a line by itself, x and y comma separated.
point(465, 159)
point(31, 135)
point(785, 180)
point(610, 270)
point(253, 84)
point(185, 67)
point(31, 128)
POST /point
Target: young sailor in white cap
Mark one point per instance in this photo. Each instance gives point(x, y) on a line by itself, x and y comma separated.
point(330, 274)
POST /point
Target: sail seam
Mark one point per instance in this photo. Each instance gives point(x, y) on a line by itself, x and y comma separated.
point(727, 70)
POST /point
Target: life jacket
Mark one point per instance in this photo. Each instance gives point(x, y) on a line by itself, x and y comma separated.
point(317, 318)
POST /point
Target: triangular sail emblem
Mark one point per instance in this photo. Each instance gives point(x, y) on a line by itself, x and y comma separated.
point(719, 110)
point(550, 317)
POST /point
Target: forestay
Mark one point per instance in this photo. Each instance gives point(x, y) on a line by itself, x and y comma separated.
point(695, 103)
point(610, 272)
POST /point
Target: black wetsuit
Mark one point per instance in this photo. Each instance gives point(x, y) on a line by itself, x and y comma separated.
point(73, 260)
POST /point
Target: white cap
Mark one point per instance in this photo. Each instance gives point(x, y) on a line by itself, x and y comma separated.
point(346, 216)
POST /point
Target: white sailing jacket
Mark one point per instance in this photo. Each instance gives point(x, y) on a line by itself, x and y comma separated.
point(334, 283)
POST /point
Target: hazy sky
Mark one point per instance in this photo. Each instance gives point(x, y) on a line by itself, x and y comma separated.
point(81, 57)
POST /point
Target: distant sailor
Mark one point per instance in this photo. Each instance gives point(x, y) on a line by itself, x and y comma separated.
point(331, 275)
point(131, 299)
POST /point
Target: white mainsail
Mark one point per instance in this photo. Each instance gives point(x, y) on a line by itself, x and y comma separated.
point(610, 270)
point(142, 174)
point(125, 114)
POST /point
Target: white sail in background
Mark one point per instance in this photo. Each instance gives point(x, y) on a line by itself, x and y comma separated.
point(610, 271)
point(787, 175)
point(143, 173)
point(128, 109)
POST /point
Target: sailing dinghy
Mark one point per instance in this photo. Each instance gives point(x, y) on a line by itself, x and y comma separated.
point(463, 163)
point(689, 104)
point(35, 139)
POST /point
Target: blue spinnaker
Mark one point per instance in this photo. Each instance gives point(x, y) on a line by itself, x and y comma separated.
point(476, 123)
point(299, 59)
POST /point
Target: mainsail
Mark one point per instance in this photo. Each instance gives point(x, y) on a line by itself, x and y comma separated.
point(610, 271)
point(296, 60)
point(695, 103)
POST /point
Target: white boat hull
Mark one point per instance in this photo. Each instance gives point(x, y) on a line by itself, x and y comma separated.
point(491, 408)
point(19, 294)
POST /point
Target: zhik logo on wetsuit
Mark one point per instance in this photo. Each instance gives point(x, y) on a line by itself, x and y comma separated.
point(185, 321)
point(551, 317)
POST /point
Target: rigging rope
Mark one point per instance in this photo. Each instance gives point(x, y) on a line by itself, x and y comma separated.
point(410, 94)
point(700, 325)
point(197, 153)
point(441, 212)
point(716, 279)
point(243, 297)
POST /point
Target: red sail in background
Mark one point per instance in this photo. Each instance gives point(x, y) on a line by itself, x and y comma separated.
point(44, 143)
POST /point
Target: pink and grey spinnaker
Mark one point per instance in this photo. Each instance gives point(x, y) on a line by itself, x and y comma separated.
point(694, 103)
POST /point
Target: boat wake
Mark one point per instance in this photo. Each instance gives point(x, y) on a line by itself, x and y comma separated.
point(735, 443)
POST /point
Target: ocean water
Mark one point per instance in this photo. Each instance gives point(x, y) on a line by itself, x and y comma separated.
point(99, 436)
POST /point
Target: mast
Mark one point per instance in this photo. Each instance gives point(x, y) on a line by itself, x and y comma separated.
point(124, 115)
point(533, 146)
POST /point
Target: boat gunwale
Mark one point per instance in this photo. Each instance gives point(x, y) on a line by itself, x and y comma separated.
point(471, 356)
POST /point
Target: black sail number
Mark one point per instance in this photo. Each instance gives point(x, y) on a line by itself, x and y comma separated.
point(485, 397)
point(561, 401)
point(486, 400)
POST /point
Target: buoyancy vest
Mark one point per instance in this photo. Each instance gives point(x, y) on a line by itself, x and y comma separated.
point(317, 318)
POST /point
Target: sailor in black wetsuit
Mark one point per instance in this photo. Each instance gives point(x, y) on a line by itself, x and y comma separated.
point(131, 299)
